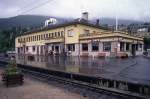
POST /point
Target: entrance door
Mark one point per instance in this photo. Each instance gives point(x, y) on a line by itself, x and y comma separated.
point(133, 51)
point(24, 49)
point(57, 49)
point(46, 49)
point(37, 50)
point(41, 49)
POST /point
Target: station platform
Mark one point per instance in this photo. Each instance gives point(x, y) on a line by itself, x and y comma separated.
point(38, 89)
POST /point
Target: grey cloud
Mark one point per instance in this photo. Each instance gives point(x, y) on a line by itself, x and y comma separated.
point(126, 9)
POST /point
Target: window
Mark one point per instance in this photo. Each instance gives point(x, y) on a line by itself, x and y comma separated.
point(127, 46)
point(21, 49)
point(18, 40)
point(33, 48)
point(21, 40)
point(94, 32)
point(95, 46)
point(62, 33)
point(52, 48)
point(41, 37)
point(26, 39)
point(86, 31)
point(38, 37)
point(34, 38)
point(70, 33)
point(58, 34)
point(49, 35)
point(121, 46)
point(18, 50)
point(29, 39)
point(55, 34)
point(46, 35)
point(26, 48)
point(85, 47)
point(140, 46)
point(71, 47)
point(52, 35)
point(106, 46)
point(136, 46)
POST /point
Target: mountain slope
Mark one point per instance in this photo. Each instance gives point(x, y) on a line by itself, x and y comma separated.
point(37, 20)
point(24, 21)
point(112, 21)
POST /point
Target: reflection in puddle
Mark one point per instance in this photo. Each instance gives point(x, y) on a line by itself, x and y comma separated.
point(136, 68)
point(84, 65)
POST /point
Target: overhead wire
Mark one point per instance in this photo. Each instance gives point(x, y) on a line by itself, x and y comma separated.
point(35, 7)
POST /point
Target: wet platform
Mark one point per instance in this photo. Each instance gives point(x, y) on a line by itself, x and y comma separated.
point(136, 69)
point(34, 88)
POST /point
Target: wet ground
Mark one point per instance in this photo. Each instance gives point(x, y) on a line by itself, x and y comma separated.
point(133, 69)
point(34, 88)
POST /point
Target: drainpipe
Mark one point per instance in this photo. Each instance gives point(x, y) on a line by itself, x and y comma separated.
point(64, 40)
point(79, 49)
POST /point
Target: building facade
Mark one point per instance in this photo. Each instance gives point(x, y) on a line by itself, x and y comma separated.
point(78, 38)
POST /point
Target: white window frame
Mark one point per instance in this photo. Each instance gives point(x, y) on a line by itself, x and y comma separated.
point(70, 33)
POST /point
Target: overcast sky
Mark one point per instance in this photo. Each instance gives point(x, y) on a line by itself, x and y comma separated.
point(124, 9)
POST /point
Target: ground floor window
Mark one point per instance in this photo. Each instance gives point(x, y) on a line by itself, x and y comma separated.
point(136, 47)
point(21, 49)
point(57, 48)
point(33, 48)
point(18, 50)
point(52, 48)
point(27, 48)
point(95, 46)
point(106, 46)
point(127, 46)
point(85, 47)
point(140, 46)
point(71, 47)
point(121, 46)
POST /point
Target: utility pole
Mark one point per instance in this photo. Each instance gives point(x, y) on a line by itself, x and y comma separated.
point(116, 16)
point(116, 23)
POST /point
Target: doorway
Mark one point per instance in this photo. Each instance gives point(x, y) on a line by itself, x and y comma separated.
point(133, 50)
point(57, 49)
point(37, 50)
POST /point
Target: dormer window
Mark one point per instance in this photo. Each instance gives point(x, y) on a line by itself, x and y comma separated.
point(86, 31)
point(70, 33)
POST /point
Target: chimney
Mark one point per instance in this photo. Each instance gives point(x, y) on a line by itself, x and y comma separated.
point(85, 15)
point(97, 22)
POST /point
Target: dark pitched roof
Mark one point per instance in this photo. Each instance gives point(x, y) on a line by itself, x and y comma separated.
point(74, 22)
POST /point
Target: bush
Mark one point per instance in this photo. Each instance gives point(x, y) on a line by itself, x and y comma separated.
point(12, 68)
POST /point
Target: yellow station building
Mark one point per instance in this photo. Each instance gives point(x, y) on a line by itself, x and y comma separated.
point(78, 38)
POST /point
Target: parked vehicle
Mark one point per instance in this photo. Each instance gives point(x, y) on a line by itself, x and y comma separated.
point(11, 53)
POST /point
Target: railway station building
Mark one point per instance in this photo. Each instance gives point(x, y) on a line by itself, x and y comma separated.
point(78, 38)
